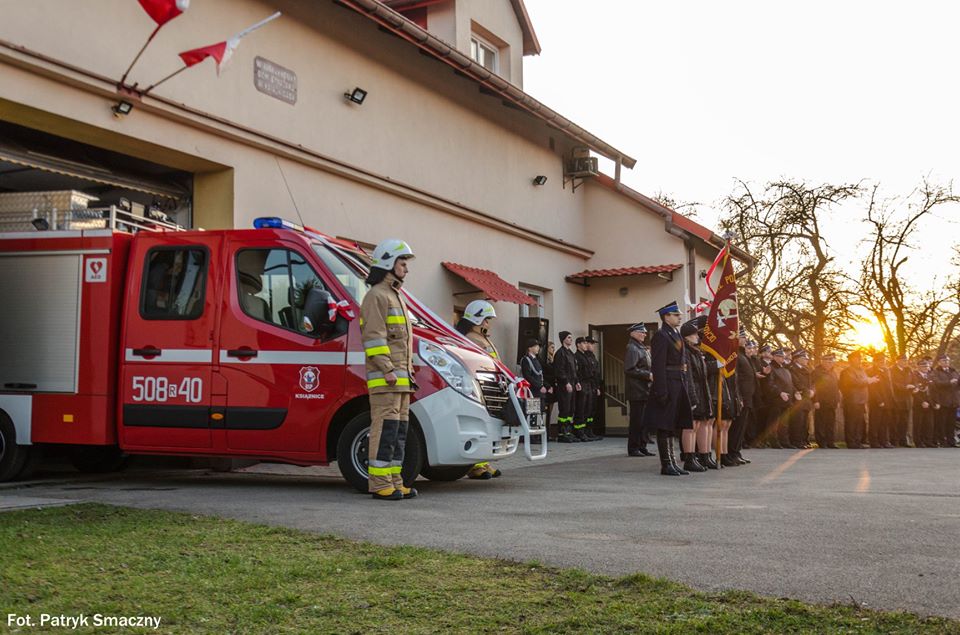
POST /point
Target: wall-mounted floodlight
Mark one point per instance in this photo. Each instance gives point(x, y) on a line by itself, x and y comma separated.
point(540, 180)
point(357, 95)
point(122, 109)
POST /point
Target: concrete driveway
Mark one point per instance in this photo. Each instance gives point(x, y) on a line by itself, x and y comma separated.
point(878, 527)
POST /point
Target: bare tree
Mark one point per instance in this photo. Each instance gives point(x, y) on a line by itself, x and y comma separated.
point(906, 317)
point(795, 291)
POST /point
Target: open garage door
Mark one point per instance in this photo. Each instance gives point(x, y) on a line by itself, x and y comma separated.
point(44, 176)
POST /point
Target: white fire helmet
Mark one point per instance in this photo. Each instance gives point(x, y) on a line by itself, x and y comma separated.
point(387, 252)
point(479, 310)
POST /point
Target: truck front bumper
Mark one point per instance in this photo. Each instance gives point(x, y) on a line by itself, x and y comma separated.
point(460, 431)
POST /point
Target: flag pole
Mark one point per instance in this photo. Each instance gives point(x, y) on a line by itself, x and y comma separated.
point(719, 409)
point(256, 26)
point(170, 76)
point(142, 49)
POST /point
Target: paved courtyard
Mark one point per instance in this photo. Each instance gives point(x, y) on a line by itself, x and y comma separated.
point(878, 527)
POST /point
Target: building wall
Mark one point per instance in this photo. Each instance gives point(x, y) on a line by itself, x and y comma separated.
point(499, 18)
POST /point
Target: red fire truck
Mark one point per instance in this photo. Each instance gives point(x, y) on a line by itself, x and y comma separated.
point(137, 338)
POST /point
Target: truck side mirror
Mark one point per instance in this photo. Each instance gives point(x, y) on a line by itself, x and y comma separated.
point(316, 311)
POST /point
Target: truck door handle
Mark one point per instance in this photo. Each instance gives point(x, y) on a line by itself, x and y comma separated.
point(149, 351)
point(241, 352)
point(19, 386)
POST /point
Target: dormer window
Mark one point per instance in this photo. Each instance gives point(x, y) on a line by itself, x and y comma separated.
point(484, 54)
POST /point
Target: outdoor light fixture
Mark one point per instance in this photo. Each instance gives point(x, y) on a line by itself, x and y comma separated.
point(40, 224)
point(122, 109)
point(357, 95)
point(539, 180)
point(703, 274)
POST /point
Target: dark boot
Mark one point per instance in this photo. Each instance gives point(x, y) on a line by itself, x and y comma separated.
point(690, 462)
point(673, 457)
point(706, 460)
point(663, 448)
point(728, 461)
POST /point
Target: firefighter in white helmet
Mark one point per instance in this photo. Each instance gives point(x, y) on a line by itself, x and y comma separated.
point(475, 322)
point(388, 344)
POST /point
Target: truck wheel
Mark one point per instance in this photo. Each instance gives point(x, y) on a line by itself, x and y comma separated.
point(13, 457)
point(98, 459)
point(445, 472)
point(353, 452)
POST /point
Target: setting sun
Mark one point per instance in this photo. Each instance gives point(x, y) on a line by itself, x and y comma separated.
point(866, 334)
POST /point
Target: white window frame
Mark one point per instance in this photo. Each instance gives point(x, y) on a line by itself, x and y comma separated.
point(540, 297)
point(476, 43)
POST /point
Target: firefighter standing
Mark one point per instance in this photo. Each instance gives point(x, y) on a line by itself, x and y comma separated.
point(565, 372)
point(388, 343)
point(583, 400)
point(474, 325)
point(597, 383)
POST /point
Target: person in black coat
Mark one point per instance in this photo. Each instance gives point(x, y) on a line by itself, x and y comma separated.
point(565, 373)
point(904, 381)
point(730, 408)
point(583, 400)
point(780, 395)
point(944, 380)
point(745, 380)
point(855, 388)
point(636, 367)
point(922, 405)
point(881, 403)
point(696, 442)
point(668, 410)
point(826, 398)
point(550, 381)
point(532, 371)
point(803, 400)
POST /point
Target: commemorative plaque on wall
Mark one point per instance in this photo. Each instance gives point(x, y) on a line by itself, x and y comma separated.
point(275, 80)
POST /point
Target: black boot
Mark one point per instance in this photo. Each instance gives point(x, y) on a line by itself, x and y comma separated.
point(673, 457)
point(706, 460)
point(663, 448)
point(728, 461)
point(690, 462)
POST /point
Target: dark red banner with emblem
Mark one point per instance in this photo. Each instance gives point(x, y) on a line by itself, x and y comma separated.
point(721, 334)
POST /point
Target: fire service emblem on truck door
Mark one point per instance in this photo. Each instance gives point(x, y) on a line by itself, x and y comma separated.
point(309, 378)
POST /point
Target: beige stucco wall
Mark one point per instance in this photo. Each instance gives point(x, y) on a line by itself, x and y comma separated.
point(421, 126)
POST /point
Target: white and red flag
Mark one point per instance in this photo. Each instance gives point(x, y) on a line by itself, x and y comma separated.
point(720, 335)
point(221, 51)
point(162, 11)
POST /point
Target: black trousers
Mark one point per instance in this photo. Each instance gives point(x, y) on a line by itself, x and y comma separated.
point(638, 437)
point(784, 416)
point(898, 427)
point(825, 425)
point(565, 405)
point(798, 427)
point(945, 424)
point(738, 429)
point(854, 418)
point(879, 426)
point(922, 426)
point(584, 404)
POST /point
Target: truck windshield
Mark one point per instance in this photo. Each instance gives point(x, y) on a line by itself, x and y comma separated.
point(352, 279)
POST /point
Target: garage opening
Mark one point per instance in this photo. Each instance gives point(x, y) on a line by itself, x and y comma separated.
point(63, 184)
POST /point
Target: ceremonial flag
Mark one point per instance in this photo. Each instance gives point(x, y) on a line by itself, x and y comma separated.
point(721, 334)
point(162, 11)
point(221, 51)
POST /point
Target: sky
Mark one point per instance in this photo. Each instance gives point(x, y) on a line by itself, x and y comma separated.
point(704, 92)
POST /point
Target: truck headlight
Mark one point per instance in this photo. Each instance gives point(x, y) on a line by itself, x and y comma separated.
point(451, 369)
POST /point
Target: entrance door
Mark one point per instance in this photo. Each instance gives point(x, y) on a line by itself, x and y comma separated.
point(282, 380)
point(168, 347)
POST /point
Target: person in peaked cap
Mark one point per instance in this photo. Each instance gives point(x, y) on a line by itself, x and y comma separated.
point(855, 388)
point(881, 403)
point(781, 393)
point(636, 367)
point(596, 383)
point(565, 376)
point(746, 386)
point(904, 381)
point(922, 405)
point(668, 410)
point(944, 380)
point(826, 398)
point(803, 399)
point(695, 442)
point(583, 396)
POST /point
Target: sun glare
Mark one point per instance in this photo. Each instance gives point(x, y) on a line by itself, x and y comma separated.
point(866, 334)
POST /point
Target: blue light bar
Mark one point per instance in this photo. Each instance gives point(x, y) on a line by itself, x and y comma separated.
point(275, 222)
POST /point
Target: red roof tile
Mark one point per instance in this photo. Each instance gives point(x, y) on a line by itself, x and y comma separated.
point(625, 271)
point(490, 283)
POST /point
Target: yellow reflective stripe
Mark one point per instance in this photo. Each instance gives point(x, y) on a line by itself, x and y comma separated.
point(378, 350)
point(493, 354)
point(379, 471)
point(361, 321)
point(396, 469)
point(377, 383)
point(396, 319)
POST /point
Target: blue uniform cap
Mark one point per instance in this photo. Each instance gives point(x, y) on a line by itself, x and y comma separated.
point(670, 308)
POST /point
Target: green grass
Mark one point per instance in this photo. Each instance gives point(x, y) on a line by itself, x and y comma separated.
point(208, 575)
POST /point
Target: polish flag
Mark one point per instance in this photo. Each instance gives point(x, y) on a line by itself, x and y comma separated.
point(221, 51)
point(162, 11)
